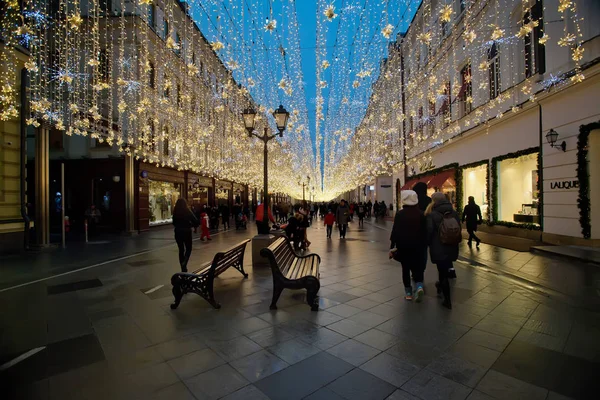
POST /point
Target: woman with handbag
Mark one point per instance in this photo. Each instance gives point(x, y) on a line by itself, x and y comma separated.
point(408, 241)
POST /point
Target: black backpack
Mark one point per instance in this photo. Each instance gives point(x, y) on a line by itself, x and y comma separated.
point(450, 231)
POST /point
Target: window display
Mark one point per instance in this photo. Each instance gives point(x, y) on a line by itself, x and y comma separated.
point(518, 195)
point(162, 198)
point(475, 184)
point(199, 196)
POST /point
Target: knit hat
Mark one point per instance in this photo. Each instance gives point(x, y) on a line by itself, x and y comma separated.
point(438, 197)
point(409, 198)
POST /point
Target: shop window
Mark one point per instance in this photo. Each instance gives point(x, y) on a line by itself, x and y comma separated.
point(420, 122)
point(162, 198)
point(151, 144)
point(179, 94)
point(518, 195)
point(165, 147)
point(431, 118)
point(151, 75)
point(152, 16)
point(535, 55)
point(167, 86)
point(104, 66)
point(178, 43)
point(494, 71)
point(474, 181)
point(56, 139)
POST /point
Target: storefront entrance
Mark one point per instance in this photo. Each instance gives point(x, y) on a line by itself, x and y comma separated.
point(474, 181)
point(162, 197)
point(518, 193)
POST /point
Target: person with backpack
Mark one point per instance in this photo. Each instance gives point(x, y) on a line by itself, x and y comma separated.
point(444, 233)
point(472, 215)
point(408, 239)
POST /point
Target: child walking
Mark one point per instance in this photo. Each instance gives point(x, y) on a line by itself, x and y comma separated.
point(205, 232)
point(329, 220)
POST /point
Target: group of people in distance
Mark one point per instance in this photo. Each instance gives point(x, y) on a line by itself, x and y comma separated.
point(423, 223)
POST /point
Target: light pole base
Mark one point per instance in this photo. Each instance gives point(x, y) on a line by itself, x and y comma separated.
point(259, 242)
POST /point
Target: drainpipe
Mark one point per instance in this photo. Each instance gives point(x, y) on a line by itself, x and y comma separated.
point(403, 112)
point(541, 174)
point(23, 157)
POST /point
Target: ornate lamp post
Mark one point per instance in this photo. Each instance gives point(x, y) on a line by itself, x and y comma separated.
point(281, 118)
point(304, 184)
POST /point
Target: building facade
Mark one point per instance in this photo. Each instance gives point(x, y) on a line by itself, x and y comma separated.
point(479, 90)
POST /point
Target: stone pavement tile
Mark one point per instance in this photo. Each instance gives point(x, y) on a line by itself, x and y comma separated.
point(387, 310)
point(464, 318)
point(249, 325)
point(276, 317)
point(390, 369)
point(504, 387)
point(360, 385)
point(325, 393)
point(517, 311)
point(559, 328)
point(195, 363)
point(491, 324)
point(339, 287)
point(323, 338)
point(344, 310)
point(271, 336)
point(303, 378)
point(293, 351)
point(400, 394)
point(233, 349)
point(258, 365)
point(131, 362)
point(381, 297)
point(428, 385)
point(369, 318)
point(98, 316)
point(348, 327)
point(216, 383)
point(477, 395)
point(457, 369)
point(179, 347)
point(353, 352)
point(341, 297)
point(485, 339)
point(177, 391)
point(249, 392)
point(414, 353)
point(151, 379)
point(358, 292)
point(541, 339)
point(325, 303)
point(474, 353)
point(363, 303)
point(122, 334)
point(555, 396)
point(377, 339)
point(322, 318)
point(559, 372)
point(583, 342)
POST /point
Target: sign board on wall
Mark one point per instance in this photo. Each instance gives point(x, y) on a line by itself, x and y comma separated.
point(564, 184)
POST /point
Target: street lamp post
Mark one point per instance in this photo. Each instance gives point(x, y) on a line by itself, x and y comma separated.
point(281, 117)
point(301, 182)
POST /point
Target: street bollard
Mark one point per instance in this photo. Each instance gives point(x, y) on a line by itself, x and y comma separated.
point(85, 226)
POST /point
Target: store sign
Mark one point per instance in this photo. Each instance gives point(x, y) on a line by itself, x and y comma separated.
point(574, 184)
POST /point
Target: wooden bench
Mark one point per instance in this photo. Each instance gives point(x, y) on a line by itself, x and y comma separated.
point(291, 271)
point(202, 280)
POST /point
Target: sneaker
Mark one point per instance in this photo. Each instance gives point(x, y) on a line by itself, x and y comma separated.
point(408, 294)
point(420, 293)
point(408, 297)
point(478, 243)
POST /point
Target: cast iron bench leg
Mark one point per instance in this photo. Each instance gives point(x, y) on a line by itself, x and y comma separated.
point(312, 288)
point(277, 289)
point(177, 292)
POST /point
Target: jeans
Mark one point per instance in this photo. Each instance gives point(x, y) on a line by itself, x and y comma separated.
point(343, 230)
point(184, 242)
point(329, 229)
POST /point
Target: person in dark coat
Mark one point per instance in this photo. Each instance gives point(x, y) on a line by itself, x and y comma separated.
point(442, 255)
point(421, 189)
point(184, 220)
point(472, 215)
point(408, 239)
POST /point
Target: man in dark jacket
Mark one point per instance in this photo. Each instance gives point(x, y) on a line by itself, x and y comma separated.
point(408, 238)
point(342, 215)
point(442, 255)
point(472, 215)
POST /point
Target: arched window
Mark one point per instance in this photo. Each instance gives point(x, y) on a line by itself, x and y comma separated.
point(167, 86)
point(151, 76)
point(494, 71)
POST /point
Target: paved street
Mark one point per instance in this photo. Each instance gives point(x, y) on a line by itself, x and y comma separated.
point(523, 326)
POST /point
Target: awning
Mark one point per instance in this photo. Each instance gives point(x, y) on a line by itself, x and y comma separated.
point(438, 180)
point(409, 184)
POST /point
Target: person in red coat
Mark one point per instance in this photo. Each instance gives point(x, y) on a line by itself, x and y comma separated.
point(204, 225)
point(329, 220)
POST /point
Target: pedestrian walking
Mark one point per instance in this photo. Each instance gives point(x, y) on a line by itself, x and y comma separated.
point(443, 237)
point(205, 225)
point(408, 239)
point(472, 216)
point(361, 215)
point(421, 189)
point(183, 220)
point(341, 218)
point(329, 221)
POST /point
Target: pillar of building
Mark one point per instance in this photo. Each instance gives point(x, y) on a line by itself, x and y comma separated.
point(42, 185)
point(130, 178)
